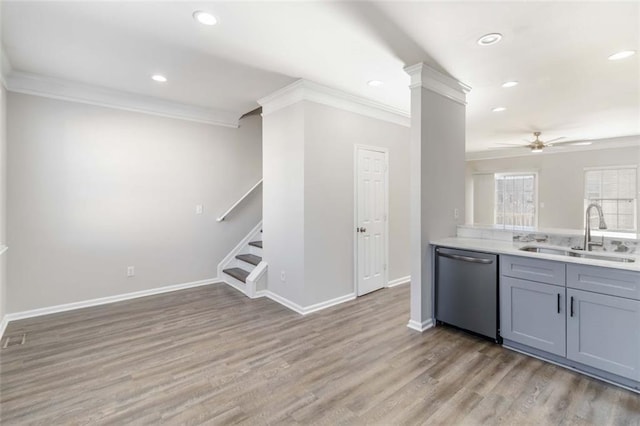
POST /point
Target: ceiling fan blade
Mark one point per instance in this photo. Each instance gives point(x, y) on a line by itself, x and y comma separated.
point(569, 143)
point(553, 140)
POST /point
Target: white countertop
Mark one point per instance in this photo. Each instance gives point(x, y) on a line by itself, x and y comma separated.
point(511, 248)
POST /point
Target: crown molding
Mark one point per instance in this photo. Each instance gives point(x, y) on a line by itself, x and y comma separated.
point(422, 75)
point(598, 144)
point(49, 87)
point(304, 90)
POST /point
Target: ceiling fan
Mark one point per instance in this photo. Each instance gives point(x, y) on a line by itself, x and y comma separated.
point(538, 145)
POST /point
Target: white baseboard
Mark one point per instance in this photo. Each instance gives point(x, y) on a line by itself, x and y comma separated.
point(106, 300)
point(305, 310)
point(236, 284)
point(329, 303)
point(424, 325)
point(3, 325)
point(399, 281)
point(283, 301)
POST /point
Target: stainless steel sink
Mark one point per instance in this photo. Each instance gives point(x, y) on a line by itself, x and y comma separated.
point(576, 253)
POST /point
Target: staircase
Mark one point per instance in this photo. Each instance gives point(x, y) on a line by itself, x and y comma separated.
point(243, 268)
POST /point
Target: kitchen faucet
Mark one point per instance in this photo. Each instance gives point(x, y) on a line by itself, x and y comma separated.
point(587, 227)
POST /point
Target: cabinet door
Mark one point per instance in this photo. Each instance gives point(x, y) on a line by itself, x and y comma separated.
point(604, 332)
point(533, 314)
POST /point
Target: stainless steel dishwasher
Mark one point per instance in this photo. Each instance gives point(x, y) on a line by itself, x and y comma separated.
point(467, 290)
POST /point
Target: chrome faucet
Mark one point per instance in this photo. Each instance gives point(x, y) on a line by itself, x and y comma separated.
point(587, 227)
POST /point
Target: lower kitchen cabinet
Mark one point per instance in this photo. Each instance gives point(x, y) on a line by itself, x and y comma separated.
point(533, 314)
point(604, 332)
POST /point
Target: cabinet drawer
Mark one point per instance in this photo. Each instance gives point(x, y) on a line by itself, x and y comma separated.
point(614, 282)
point(544, 271)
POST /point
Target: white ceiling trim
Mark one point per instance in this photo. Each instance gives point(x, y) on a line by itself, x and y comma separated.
point(597, 144)
point(33, 84)
point(424, 76)
point(314, 92)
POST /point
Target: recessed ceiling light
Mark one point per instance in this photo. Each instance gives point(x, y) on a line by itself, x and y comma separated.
point(622, 55)
point(581, 143)
point(374, 83)
point(159, 78)
point(204, 18)
point(489, 39)
point(499, 109)
point(510, 84)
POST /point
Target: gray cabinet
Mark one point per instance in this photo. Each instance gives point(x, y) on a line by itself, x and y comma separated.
point(538, 270)
point(588, 316)
point(603, 323)
point(533, 314)
point(614, 282)
point(604, 332)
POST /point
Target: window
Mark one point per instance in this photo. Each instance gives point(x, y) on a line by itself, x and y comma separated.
point(515, 200)
point(615, 190)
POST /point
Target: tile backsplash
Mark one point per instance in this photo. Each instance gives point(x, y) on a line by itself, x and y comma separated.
point(611, 244)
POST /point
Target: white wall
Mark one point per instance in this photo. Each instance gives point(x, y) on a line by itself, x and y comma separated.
point(283, 201)
point(561, 181)
point(330, 137)
point(3, 201)
point(92, 190)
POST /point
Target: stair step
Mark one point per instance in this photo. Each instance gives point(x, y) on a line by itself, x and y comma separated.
point(249, 258)
point(237, 273)
point(256, 244)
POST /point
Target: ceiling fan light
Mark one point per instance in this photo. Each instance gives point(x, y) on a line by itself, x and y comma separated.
point(205, 18)
point(622, 55)
point(536, 149)
point(489, 39)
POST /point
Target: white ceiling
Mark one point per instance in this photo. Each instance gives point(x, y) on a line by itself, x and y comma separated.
point(556, 50)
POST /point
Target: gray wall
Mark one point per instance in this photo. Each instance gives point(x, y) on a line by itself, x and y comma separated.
point(309, 199)
point(3, 200)
point(283, 201)
point(560, 186)
point(92, 190)
point(437, 187)
point(330, 137)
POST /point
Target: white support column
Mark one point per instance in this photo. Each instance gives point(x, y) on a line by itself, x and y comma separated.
point(437, 177)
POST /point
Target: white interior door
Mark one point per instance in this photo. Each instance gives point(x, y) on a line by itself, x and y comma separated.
point(371, 220)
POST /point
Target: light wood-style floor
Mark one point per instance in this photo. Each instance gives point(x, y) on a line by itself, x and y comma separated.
point(211, 355)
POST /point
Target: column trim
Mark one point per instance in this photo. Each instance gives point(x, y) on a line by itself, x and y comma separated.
point(424, 76)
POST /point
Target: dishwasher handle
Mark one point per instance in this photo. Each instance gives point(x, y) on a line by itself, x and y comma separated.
point(465, 258)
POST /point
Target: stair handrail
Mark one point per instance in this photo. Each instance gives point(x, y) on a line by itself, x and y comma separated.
point(225, 214)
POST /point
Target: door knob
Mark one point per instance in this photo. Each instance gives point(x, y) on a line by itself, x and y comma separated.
point(362, 230)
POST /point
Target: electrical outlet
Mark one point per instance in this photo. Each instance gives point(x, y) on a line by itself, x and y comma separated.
point(131, 271)
point(456, 213)
point(199, 208)
point(283, 276)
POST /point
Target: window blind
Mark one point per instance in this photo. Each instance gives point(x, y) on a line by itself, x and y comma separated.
point(615, 190)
